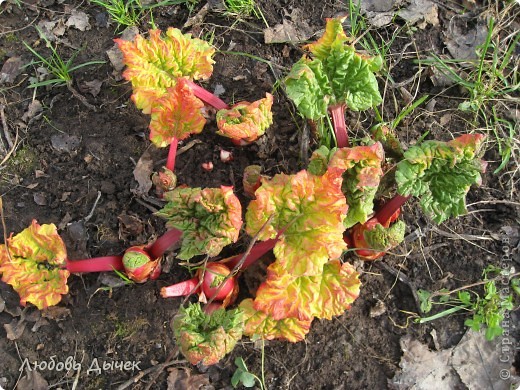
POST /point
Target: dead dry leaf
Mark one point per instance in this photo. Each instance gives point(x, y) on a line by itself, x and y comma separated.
point(93, 87)
point(15, 329)
point(421, 12)
point(287, 31)
point(33, 380)
point(463, 36)
point(181, 378)
point(10, 69)
point(422, 369)
point(78, 20)
point(481, 364)
point(142, 174)
point(40, 198)
point(56, 313)
point(35, 108)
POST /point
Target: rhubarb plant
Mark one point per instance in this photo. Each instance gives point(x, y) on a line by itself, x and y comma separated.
point(162, 70)
point(441, 174)
point(207, 338)
point(33, 262)
point(209, 219)
point(332, 77)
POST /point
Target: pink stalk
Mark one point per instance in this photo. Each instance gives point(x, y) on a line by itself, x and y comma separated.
point(337, 113)
point(258, 250)
point(164, 242)
point(181, 289)
point(172, 153)
point(385, 214)
point(207, 97)
point(97, 264)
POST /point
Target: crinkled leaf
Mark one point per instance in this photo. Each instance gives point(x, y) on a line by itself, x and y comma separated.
point(323, 296)
point(207, 338)
point(246, 121)
point(309, 89)
point(362, 165)
point(177, 114)
point(440, 174)
point(308, 212)
point(260, 325)
point(383, 239)
point(319, 160)
point(209, 218)
point(337, 74)
point(154, 64)
point(33, 265)
point(388, 139)
point(333, 35)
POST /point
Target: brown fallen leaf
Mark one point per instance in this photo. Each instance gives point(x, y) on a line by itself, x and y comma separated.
point(142, 174)
point(33, 380)
point(11, 68)
point(181, 378)
point(15, 329)
point(56, 313)
point(93, 87)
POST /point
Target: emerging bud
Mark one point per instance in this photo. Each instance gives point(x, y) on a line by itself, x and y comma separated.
point(139, 266)
point(164, 181)
point(207, 166)
point(226, 156)
point(252, 179)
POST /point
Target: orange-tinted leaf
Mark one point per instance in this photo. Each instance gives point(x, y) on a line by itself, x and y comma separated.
point(323, 296)
point(33, 265)
point(176, 115)
point(361, 177)
point(333, 34)
point(259, 324)
point(308, 211)
point(209, 218)
point(154, 64)
point(246, 121)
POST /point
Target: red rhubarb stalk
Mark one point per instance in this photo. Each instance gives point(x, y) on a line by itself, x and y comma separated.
point(181, 289)
point(258, 250)
point(206, 96)
point(385, 215)
point(97, 264)
point(172, 153)
point(164, 242)
point(337, 113)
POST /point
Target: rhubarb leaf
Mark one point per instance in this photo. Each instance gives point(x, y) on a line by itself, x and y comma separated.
point(260, 325)
point(33, 262)
point(323, 296)
point(308, 87)
point(440, 174)
point(154, 64)
point(361, 177)
point(207, 338)
point(319, 161)
point(177, 114)
point(246, 121)
point(209, 218)
point(336, 74)
point(383, 239)
point(307, 213)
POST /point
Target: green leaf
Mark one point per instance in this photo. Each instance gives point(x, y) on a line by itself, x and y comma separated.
point(465, 297)
point(440, 174)
point(383, 239)
point(242, 374)
point(209, 218)
point(207, 338)
point(424, 298)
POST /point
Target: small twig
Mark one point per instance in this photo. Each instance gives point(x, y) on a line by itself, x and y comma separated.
point(403, 278)
point(5, 127)
point(6, 243)
point(80, 97)
point(89, 216)
point(237, 267)
point(156, 374)
point(160, 367)
point(468, 286)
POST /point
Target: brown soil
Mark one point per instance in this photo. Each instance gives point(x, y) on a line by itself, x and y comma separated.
point(67, 154)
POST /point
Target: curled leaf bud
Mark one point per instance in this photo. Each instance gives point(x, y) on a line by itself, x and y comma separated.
point(139, 266)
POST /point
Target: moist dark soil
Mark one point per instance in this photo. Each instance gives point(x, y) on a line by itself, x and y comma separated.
point(73, 166)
